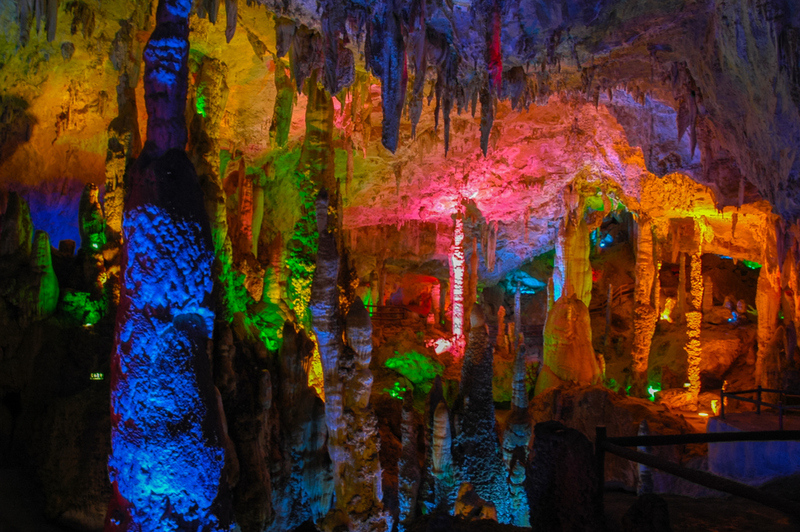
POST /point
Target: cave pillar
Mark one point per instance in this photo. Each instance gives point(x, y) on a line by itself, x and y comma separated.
point(572, 275)
point(768, 302)
point(457, 282)
point(645, 315)
point(167, 462)
point(694, 321)
point(568, 353)
point(681, 304)
point(518, 315)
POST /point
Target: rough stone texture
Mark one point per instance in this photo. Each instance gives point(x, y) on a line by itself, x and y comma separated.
point(168, 445)
point(584, 409)
point(476, 450)
point(562, 482)
point(568, 352)
point(648, 514)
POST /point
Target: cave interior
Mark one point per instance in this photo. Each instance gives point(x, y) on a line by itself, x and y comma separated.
point(386, 265)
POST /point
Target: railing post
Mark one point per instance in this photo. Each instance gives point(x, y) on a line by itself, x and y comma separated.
point(780, 415)
point(722, 404)
point(758, 398)
point(600, 464)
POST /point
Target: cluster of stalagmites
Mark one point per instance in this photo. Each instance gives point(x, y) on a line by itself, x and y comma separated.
point(36, 286)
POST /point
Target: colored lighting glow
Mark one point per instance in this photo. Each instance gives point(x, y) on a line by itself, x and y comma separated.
point(703, 414)
point(396, 392)
point(417, 368)
point(669, 305)
point(750, 264)
point(653, 389)
point(715, 406)
point(457, 274)
point(315, 378)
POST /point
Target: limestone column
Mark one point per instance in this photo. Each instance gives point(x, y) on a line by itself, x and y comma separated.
point(167, 462)
point(768, 302)
point(645, 315)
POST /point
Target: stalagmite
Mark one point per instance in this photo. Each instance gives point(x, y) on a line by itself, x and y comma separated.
point(302, 482)
point(124, 140)
point(491, 246)
point(284, 103)
point(41, 296)
point(694, 321)
point(91, 223)
point(515, 442)
point(442, 458)
point(408, 467)
point(568, 353)
point(645, 315)
point(681, 305)
point(211, 97)
point(501, 329)
point(768, 302)
point(16, 227)
point(476, 450)
point(172, 479)
point(360, 476)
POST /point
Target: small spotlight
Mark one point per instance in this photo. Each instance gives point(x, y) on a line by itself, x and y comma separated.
point(703, 414)
point(96, 376)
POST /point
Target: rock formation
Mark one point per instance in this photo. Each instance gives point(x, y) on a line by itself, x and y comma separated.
point(168, 446)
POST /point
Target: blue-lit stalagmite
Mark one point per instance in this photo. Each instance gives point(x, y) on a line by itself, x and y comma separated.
point(168, 458)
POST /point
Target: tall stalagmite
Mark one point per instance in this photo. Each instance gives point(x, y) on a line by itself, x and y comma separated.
point(568, 352)
point(476, 449)
point(166, 463)
point(516, 439)
point(768, 304)
point(645, 315)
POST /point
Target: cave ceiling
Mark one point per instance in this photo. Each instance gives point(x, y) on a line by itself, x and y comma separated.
point(607, 96)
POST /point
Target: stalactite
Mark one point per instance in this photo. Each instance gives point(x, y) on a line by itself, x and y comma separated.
point(487, 118)
point(231, 14)
point(491, 246)
point(284, 33)
point(476, 450)
point(645, 315)
point(51, 20)
point(173, 478)
point(386, 57)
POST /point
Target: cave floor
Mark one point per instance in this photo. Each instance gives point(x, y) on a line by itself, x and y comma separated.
point(731, 514)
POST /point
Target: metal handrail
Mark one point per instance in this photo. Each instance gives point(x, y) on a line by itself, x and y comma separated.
point(779, 406)
point(617, 446)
